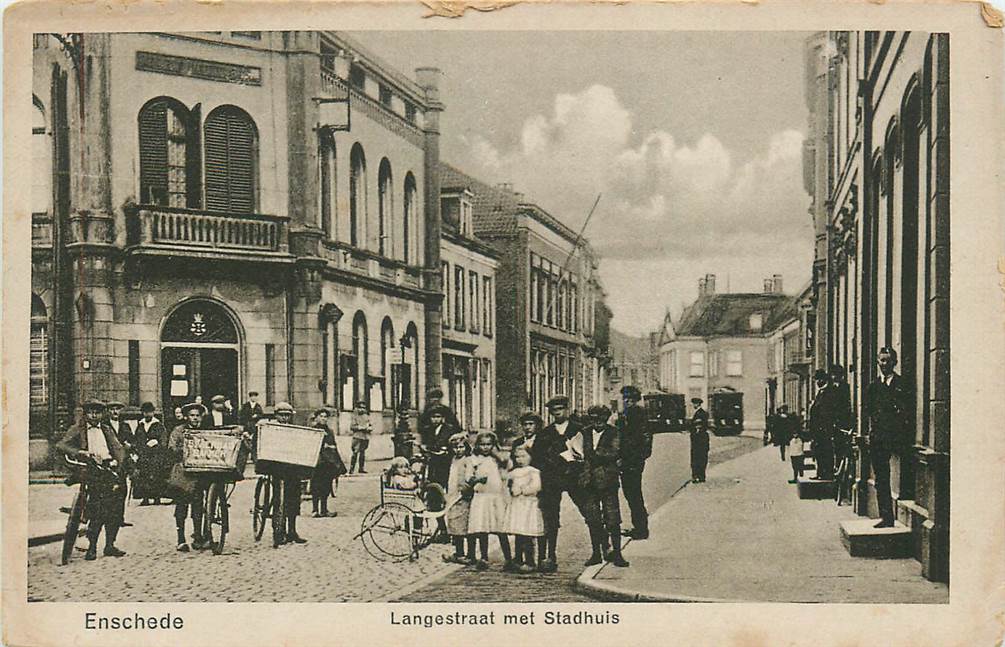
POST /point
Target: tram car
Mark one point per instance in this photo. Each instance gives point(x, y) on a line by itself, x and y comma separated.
point(725, 409)
point(665, 412)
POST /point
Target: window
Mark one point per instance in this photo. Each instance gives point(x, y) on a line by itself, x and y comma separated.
point(756, 322)
point(231, 161)
point(487, 310)
point(385, 95)
point(41, 163)
point(458, 297)
point(697, 364)
point(445, 271)
point(549, 298)
point(358, 365)
point(38, 356)
point(384, 242)
point(408, 218)
point(559, 304)
point(357, 76)
point(270, 374)
point(465, 217)
point(410, 112)
point(169, 159)
point(535, 287)
point(734, 363)
point(473, 287)
point(387, 342)
point(713, 364)
point(357, 194)
point(327, 173)
point(134, 371)
point(575, 308)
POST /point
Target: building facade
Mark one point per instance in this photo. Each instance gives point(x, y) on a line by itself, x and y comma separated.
point(634, 361)
point(468, 267)
point(790, 355)
point(231, 211)
point(877, 165)
point(722, 342)
point(548, 300)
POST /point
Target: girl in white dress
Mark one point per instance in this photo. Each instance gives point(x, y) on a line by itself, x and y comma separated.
point(525, 520)
point(459, 493)
point(489, 504)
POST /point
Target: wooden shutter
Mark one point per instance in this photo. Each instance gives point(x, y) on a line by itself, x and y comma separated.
point(153, 154)
point(230, 162)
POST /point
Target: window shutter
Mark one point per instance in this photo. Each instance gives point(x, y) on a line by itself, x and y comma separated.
point(153, 154)
point(230, 162)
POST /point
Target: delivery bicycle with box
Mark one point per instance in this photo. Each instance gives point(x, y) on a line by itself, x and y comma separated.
point(285, 456)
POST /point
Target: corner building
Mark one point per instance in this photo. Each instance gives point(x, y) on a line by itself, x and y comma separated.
point(220, 212)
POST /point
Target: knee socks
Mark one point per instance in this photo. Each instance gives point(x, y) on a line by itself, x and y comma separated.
point(470, 541)
point(483, 545)
point(504, 545)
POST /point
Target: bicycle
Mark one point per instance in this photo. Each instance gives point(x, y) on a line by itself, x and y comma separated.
point(217, 458)
point(87, 472)
point(844, 475)
point(281, 449)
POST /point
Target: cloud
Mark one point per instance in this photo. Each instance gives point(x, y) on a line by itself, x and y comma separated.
point(665, 201)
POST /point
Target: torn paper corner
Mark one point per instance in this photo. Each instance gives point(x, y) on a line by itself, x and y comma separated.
point(456, 8)
point(992, 16)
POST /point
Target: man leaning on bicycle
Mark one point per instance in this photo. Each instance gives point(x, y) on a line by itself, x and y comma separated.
point(96, 441)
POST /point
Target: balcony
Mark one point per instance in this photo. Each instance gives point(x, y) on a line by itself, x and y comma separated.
point(160, 230)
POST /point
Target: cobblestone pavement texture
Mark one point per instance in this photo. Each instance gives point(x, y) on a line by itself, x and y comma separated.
point(667, 470)
point(331, 567)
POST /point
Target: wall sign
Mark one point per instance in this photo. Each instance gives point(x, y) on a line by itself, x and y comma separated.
point(197, 68)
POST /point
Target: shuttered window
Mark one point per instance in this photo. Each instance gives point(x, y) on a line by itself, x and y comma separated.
point(169, 155)
point(231, 164)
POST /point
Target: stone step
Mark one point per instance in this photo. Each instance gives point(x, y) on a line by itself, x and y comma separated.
point(862, 539)
point(813, 489)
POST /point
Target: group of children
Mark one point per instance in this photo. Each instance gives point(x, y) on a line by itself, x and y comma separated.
point(487, 494)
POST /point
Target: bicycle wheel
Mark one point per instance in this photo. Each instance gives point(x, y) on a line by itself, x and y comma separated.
point(215, 515)
point(386, 532)
point(73, 525)
point(263, 501)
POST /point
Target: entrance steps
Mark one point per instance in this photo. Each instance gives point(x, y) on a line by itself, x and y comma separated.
point(861, 538)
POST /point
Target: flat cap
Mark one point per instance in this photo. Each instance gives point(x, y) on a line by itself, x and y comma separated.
point(558, 401)
point(218, 398)
point(193, 405)
point(93, 405)
point(114, 404)
point(319, 411)
point(439, 409)
point(530, 416)
point(434, 393)
point(283, 406)
point(599, 411)
point(696, 400)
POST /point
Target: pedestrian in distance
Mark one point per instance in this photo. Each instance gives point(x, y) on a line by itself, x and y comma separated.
point(188, 501)
point(781, 430)
point(636, 447)
point(699, 441)
point(361, 428)
point(887, 402)
point(90, 438)
point(525, 521)
point(324, 482)
point(489, 513)
point(459, 494)
point(291, 489)
point(796, 448)
point(154, 462)
point(603, 451)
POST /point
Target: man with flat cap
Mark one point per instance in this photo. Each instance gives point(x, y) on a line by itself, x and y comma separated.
point(122, 431)
point(188, 504)
point(530, 426)
point(107, 498)
point(434, 398)
point(218, 416)
point(636, 447)
point(292, 491)
point(699, 441)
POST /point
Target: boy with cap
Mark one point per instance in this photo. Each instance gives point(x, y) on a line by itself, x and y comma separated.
point(699, 441)
point(106, 501)
point(434, 399)
point(292, 491)
point(602, 451)
point(188, 504)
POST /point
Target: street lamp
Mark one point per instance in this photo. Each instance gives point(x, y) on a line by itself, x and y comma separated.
point(402, 432)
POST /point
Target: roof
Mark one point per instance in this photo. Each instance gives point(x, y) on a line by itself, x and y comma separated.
point(494, 210)
point(725, 315)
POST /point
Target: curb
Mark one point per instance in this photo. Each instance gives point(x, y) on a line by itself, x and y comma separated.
point(605, 592)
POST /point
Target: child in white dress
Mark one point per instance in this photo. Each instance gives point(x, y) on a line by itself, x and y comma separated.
point(525, 520)
point(459, 493)
point(489, 504)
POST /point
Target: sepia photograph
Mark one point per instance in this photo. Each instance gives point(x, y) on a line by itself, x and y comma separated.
point(442, 323)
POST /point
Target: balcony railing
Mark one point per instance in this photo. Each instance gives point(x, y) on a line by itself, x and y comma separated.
point(367, 263)
point(204, 229)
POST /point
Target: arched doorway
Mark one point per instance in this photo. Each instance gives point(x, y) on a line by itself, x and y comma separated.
point(200, 354)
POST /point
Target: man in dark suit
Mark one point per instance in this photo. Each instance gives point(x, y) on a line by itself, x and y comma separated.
point(887, 403)
point(824, 413)
point(699, 441)
point(251, 412)
point(107, 498)
point(217, 416)
point(602, 451)
point(636, 447)
point(425, 424)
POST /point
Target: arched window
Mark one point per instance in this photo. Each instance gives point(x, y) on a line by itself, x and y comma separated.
point(231, 161)
point(38, 356)
point(410, 373)
point(388, 343)
point(408, 219)
point(326, 156)
point(385, 242)
point(357, 194)
point(359, 352)
point(41, 161)
point(169, 157)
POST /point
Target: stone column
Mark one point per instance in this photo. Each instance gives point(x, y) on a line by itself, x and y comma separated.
point(429, 79)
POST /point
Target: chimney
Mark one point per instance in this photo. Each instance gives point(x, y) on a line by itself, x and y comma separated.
point(769, 286)
point(701, 287)
point(710, 283)
point(777, 281)
point(428, 79)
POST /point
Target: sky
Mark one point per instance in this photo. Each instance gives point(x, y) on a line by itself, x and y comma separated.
point(693, 140)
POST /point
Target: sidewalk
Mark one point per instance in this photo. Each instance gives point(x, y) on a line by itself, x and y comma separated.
point(745, 536)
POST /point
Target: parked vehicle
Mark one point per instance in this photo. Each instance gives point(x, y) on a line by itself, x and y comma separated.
point(666, 411)
point(725, 410)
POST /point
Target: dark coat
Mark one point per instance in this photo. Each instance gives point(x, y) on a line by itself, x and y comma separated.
point(155, 431)
point(425, 425)
point(249, 415)
point(439, 464)
point(75, 439)
point(825, 411)
point(602, 447)
point(636, 440)
point(888, 410)
point(556, 472)
point(700, 416)
point(330, 465)
point(125, 433)
point(207, 420)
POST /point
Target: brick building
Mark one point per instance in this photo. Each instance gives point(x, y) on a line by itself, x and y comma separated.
point(220, 212)
point(877, 167)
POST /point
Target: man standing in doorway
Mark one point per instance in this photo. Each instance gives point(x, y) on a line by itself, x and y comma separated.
point(636, 447)
point(218, 415)
point(886, 403)
point(699, 441)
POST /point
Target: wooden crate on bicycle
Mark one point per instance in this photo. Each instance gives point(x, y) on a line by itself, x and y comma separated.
point(218, 451)
point(287, 450)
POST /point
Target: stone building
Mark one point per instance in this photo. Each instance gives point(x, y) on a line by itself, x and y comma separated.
point(790, 354)
point(877, 167)
point(633, 361)
point(721, 341)
point(552, 324)
point(231, 211)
